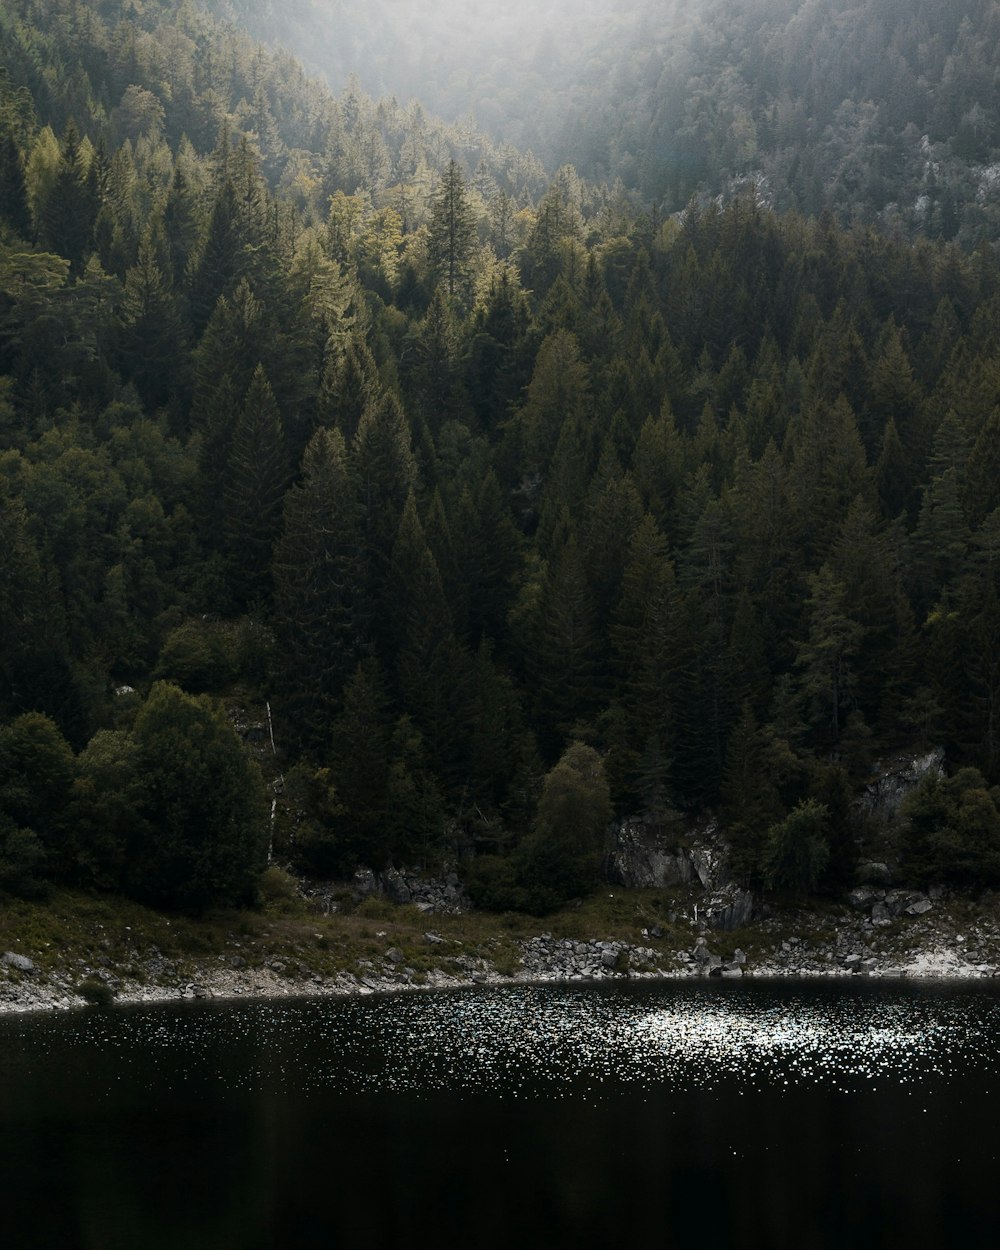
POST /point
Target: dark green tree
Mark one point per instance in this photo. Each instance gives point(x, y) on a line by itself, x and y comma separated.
point(253, 491)
point(317, 575)
point(201, 837)
point(452, 234)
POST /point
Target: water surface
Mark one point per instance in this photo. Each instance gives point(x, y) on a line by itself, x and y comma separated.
point(710, 1115)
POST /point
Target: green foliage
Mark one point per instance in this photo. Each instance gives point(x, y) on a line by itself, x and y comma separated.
point(714, 493)
point(199, 655)
point(22, 862)
point(201, 835)
point(96, 992)
point(561, 856)
point(951, 831)
point(277, 888)
point(797, 848)
point(36, 772)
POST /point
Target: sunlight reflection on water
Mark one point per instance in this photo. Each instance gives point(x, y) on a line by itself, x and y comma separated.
point(560, 1042)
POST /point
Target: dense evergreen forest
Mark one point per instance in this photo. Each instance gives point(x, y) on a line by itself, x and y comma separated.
point(520, 504)
point(883, 110)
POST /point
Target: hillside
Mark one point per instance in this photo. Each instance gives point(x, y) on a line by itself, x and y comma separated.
point(505, 508)
point(884, 111)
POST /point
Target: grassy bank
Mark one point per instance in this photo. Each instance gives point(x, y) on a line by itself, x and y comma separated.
point(103, 946)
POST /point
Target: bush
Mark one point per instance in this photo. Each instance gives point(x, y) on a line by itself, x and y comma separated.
point(276, 887)
point(22, 862)
point(951, 831)
point(797, 848)
point(96, 992)
point(199, 655)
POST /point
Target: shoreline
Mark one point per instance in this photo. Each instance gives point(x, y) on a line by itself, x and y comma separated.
point(32, 994)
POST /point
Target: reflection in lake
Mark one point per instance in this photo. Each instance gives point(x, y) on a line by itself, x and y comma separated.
point(764, 1115)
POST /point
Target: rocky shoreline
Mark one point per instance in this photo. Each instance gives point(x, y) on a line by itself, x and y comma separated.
point(925, 946)
point(682, 913)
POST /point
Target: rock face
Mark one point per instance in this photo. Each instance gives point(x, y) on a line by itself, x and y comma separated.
point(728, 908)
point(883, 797)
point(441, 895)
point(643, 859)
point(649, 859)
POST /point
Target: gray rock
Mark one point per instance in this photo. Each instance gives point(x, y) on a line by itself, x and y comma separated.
point(920, 907)
point(728, 908)
point(365, 882)
point(643, 858)
point(899, 901)
point(394, 955)
point(237, 961)
point(880, 915)
point(884, 796)
point(21, 962)
point(862, 897)
point(434, 938)
point(395, 886)
point(609, 959)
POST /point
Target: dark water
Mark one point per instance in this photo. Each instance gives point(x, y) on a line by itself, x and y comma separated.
point(718, 1115)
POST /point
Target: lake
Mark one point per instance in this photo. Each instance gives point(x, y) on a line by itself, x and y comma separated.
point(697, 1114)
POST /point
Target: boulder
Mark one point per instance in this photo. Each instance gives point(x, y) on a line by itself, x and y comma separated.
point(20, 962)
point(728, 909)
point(395, 886)
point(862, 897)
point(643, 858)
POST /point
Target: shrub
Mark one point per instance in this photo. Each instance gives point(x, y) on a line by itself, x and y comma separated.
point(276, 886)
point(797, 848)
point(96, 992)
point(951, 831)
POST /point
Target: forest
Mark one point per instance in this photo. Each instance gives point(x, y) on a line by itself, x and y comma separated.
point(521, 498)
point(883, 110)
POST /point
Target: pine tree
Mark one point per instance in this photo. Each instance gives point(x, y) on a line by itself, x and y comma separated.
point(827, 656)
point(385, 470)
point(254, 488)
point(151, 328)
point(14, 207)
point(318, 616)
point(452, 234)
point(67, 218)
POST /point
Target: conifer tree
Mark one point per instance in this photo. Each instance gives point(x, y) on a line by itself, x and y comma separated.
point(452, 233)
point(257, 477)
point(151, 328)
point(14, 207)
point(385, 470)
point(318, 616)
